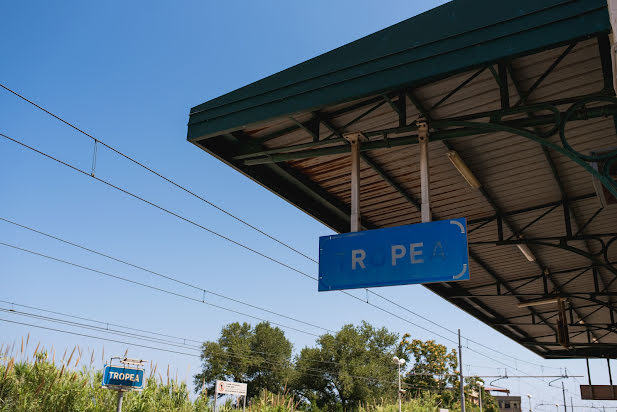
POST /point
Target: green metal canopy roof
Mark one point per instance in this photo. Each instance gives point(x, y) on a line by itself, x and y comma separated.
point(457, 36)
point(522, 91)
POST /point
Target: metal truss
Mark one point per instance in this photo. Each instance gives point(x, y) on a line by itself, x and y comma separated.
point(533, 126)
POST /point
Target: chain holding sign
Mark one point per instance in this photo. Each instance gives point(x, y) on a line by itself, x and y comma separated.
point(230, 388)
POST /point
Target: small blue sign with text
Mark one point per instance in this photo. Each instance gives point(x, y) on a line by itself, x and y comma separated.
point(123, 377)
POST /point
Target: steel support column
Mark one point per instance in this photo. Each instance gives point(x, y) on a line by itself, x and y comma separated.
point(354, 141)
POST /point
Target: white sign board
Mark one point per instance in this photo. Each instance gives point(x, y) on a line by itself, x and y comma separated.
point(231, 388)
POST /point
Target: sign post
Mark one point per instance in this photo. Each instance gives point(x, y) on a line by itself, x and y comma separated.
point(230, 388)
point(128, 377)
point(402, 255)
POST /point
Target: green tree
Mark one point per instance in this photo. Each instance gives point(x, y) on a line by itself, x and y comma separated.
point(352, 366)
point(259, 356)
point(434, 368)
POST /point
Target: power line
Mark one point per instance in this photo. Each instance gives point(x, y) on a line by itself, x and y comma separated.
point(454, 332)
point(238, 243)
point(173, 279)
point(133, 195)
point(374, 380)
point(95, 321)
point(111, 275)
point(208, 230)
point(107, 324)
point(183, 188)
point(179, 186)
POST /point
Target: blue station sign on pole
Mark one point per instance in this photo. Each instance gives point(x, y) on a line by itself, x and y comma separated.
point(121, 377)
point(410, 254)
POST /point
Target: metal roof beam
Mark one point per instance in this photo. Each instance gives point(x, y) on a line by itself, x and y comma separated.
point(308, 150)
point(456, 89)
point(533, 208)
point(523, 97)
point(513, 229)
point(320, 199)
point(388, 179)
point(416, 102)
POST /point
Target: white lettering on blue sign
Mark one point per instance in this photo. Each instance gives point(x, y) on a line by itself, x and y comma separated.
point(357, 257)
point(398, 252)
point(422, 253)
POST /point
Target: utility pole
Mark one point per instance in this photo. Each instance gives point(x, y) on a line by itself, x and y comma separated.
point(563, 390)
point(460, 367)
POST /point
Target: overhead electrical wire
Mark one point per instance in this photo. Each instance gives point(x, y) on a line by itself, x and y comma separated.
point(179, 186)
point(250, 359)
point(107, 324)
point(238, 219)
point(190, 347)
point(190, 192)
point(74, 168)
point(171, 278)
point(124, 279)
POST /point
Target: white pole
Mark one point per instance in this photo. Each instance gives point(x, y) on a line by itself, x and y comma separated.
point(480, 392)
point(355, 182)
point(399, 386)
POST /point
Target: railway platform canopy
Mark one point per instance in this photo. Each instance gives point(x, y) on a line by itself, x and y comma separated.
point(519, 104)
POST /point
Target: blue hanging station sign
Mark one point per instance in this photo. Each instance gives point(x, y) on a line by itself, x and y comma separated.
point(411, 254)
point(121, 377)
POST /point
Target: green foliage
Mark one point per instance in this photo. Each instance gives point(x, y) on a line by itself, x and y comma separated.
point(433, 366)
point(41, 386)
point(259, 356)
point(351, 367)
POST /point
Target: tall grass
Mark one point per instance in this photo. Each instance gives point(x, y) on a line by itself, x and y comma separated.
point(36, 383)
point(30, 383)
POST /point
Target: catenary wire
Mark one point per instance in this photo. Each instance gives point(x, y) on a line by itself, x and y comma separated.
point(181, 187)
point(62, 321)
point(107, 324)
point(227, 355)
point(74, 168)
point(160, 207)
point(111, 275)
point(239, 244)
point(95, 321)
point(173, 279)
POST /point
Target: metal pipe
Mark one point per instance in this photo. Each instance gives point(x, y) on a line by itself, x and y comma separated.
point(425, 183)
point(355, 182)
point(120, 396)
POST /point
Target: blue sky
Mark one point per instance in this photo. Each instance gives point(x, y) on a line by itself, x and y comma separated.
point(128, 73)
